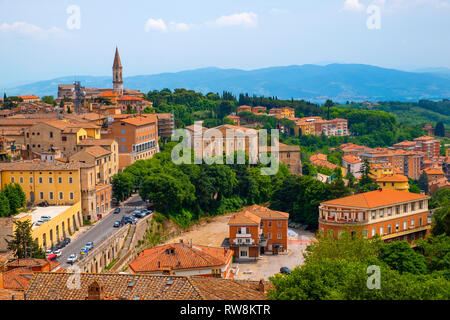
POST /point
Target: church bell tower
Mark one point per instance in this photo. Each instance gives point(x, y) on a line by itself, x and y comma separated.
point(117, 74)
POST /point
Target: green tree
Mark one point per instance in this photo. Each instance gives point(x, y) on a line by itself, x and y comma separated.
point(22, 244)
point(15, 196)
point(5, 210)
point(122, 185)
point(401, 257)
point(436, 250)
point(441, 218)
point(440, 129)
point(423, 182)
point(49, 100)
point(366, 183)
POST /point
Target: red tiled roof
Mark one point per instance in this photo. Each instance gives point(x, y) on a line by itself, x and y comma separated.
point(53, 285)
point(17, 279)
point(180, 256)
point(393, 178)
point(374, 199)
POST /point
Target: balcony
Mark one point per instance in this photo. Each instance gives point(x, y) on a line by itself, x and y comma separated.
point(243, 235)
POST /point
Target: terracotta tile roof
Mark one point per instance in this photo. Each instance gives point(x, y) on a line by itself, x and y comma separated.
point(27, 263)
point(108, 94)
point(129, 98)
point(254, 214)
point(6, 294)
point(318, 156)
point(266, 213)
point(244, 217)
point(17, 279)
point(140, 120)
point(433, 171)
point(29, 97)
point(351, 159)
point(97, 151)
point(31, 165)
point(53, 286)
point(374, 199)
point(180, 256)
point(95, 142)
point(424, 138)
point(219, 289)
point(393, 178)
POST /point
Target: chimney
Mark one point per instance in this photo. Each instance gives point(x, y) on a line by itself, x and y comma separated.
point(380, 189)
point(261, 286)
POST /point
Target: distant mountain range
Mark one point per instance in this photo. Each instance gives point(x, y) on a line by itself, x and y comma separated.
point(339, 82)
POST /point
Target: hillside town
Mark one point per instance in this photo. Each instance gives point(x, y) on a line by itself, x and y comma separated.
point(79, 179)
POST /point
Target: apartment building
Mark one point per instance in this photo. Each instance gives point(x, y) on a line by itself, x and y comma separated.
point(166, 125)
point(429, 145)
point(335, 127)
point(394, 182)
point(103, 161)
point(244, 108)
point(137, 137)
point(256, 230)
point(352, 164)
point(108, 144)
point(288, 155)
point(283, 112)
point(392, 214)
point(59, 184)
point(30, 98)
point(62, 134)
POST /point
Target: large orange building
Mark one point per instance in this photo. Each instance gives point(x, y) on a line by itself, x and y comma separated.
point(256, 230)
point(392, 214)
point(137, 137)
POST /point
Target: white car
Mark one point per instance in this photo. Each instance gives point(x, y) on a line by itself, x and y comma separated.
point(57, 252)
point(47, 252)
point(72, 258)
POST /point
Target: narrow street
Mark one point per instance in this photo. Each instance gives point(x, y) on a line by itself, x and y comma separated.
point(101, 230)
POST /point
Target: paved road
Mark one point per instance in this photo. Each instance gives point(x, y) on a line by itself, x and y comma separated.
point(101, 230)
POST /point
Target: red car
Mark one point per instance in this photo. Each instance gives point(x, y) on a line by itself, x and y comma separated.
point(51, 256)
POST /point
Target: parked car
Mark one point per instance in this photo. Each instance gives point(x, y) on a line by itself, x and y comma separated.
point(39, 222)
point(67, 241)
point(137, 213)
point(51, 256)
point(116, 210)
point(285, 270)
point(47, 252)
point(57, 253)
point(89, 245)
point(72, 258)
point(126, 220)
point(116, 224)
point(61, 245)
point(134, 220)
point(45, 218)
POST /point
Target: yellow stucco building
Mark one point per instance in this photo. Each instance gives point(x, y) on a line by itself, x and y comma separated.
point(56, 183)
point(64, 220)
point(394, 182)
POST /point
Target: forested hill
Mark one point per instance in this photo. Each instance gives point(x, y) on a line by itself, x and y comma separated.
point(339, 82)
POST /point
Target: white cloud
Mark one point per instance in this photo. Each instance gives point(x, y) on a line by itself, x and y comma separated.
point(155, 24)
point(29, 29)
point(177, 26)
point(353, 5)
point(247, 19)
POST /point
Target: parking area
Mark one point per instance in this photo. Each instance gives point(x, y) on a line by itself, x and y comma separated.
point(268, 264)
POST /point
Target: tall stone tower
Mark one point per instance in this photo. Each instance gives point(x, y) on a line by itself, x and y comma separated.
point(117, 74)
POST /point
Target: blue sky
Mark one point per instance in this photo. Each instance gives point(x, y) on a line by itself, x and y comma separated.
point(172, 35)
